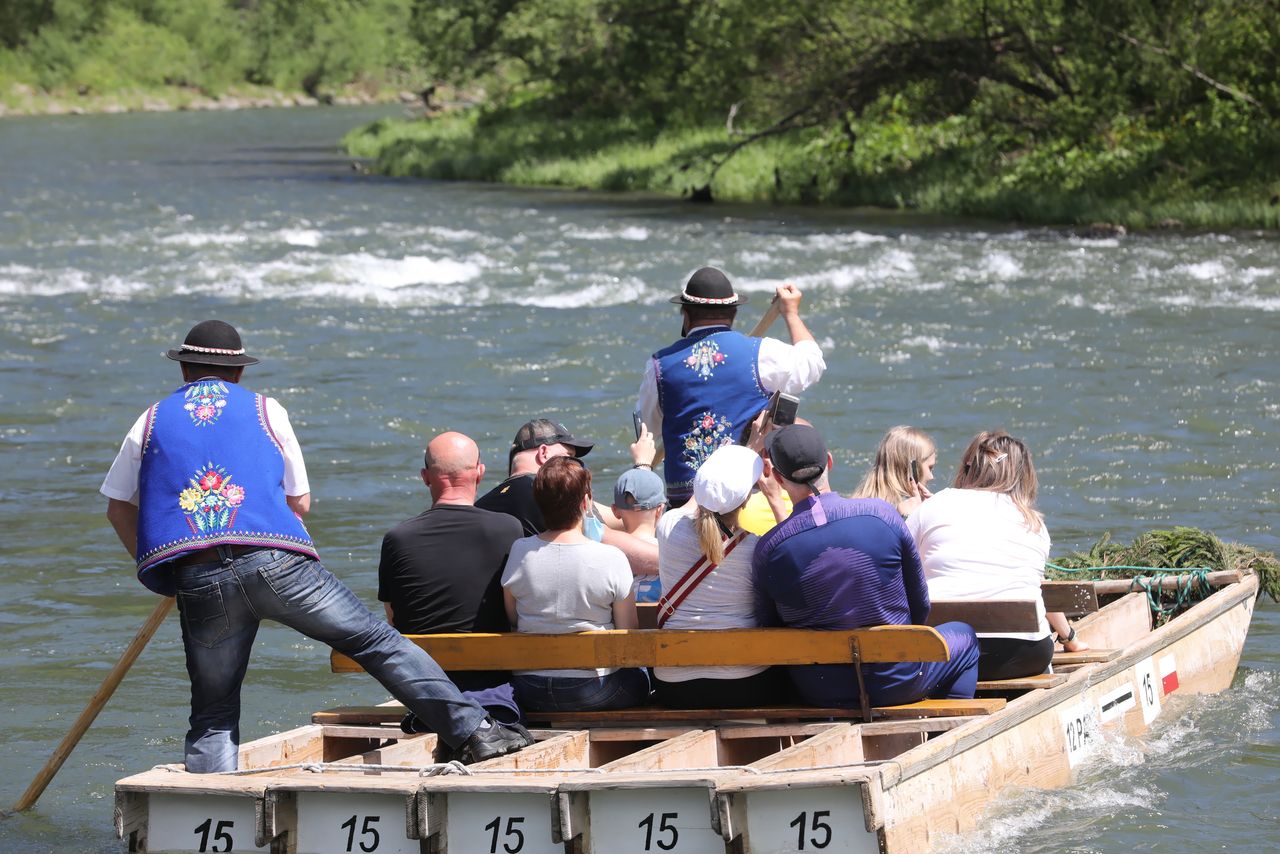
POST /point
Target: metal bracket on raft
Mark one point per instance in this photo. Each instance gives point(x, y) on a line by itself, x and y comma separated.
point(275, 814)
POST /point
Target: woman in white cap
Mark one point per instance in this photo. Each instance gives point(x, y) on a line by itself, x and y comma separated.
point(704, 561)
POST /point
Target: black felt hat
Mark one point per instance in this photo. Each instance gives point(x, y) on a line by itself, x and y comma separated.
point(708, 286)
point(212, 342)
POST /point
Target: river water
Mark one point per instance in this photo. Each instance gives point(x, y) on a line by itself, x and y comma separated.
point(1141, 370)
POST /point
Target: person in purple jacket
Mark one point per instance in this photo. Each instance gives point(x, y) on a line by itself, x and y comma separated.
point(848, 563)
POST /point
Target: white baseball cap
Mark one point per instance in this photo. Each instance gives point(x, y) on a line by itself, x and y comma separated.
point(724, 481)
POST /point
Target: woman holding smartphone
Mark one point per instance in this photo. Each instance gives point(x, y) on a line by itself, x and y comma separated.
point(984, 539)
point(902, 470)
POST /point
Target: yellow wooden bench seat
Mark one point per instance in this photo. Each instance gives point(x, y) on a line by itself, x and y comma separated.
point(724, 647)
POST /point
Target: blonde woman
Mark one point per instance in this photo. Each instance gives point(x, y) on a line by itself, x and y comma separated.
point(902, 469)
point(984, 539)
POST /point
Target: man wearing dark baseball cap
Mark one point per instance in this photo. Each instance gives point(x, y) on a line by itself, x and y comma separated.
point(849, 563)
point(699, 392)
point(536, 442)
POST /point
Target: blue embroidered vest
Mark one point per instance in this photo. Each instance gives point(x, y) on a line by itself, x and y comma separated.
point(212, 474)
point(708, 388)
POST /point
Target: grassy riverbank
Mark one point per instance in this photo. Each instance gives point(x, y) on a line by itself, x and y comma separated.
point(25, 101)
point(1138, 177)
point(70, 56)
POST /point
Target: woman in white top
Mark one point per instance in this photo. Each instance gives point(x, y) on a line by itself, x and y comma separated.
point(902, 469)
point(559, 582)
point(704, 561)
point(984, 539)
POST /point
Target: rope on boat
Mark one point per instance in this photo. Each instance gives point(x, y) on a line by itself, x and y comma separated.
point(436, 769)
point(439, 769)
point(1161, 570)
point(1191, 586)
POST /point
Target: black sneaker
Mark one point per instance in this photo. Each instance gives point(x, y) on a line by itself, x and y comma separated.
point(411, 724)
point(492, 739)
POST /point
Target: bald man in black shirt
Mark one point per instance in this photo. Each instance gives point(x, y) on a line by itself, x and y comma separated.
point(440, 570)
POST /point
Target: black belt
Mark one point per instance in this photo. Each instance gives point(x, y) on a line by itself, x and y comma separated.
point(213, 554)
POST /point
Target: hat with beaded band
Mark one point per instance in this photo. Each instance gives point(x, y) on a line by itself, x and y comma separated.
point(212, 342)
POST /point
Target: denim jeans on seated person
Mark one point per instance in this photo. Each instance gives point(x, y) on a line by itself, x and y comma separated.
point(836, 685)
point(621, 689)
point(221, 605)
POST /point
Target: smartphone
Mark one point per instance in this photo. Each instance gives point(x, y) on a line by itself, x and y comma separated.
point(635, 420)
point(915, 472)
point(782, 409)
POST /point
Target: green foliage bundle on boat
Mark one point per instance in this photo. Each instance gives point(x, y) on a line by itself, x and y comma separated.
point(1162, 551)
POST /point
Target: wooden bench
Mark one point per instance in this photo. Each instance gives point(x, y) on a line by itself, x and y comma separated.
point(723, 647)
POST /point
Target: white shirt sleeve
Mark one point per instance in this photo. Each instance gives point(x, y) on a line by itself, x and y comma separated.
point(790, 368)
point(647, 401)
point(295, 469)
point(121, 482)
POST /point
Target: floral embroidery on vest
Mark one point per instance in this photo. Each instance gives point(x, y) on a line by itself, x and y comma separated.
point(710, 431)
point(704, 358)
point(205, 402)
point(210, 502)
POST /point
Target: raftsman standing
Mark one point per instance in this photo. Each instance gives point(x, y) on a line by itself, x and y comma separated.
point(207, 494)
point(699, 392)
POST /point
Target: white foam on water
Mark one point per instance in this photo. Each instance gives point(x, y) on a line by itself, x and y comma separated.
point(1022, 813)
point(377, 272)
point(1249, 275)
point(1000, 265)
point(1204, 271)
point(617, 292)
point(929, 342)
point(894, 266)
point(454, 234)
point(299, 236)
point(196, 239)
point(631, 232)
point(848, 238)
point(753, 257)
point(1094, 242)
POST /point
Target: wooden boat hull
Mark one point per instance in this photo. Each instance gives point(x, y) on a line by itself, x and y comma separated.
point(888, 786)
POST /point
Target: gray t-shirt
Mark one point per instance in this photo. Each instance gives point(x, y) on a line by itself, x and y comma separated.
point(561, 588)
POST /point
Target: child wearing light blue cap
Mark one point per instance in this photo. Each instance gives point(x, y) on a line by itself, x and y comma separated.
point(639, 498)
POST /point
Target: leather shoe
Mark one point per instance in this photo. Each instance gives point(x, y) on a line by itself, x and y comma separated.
point(492, 739)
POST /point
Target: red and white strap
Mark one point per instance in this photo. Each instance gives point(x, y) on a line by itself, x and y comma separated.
point(688, 582)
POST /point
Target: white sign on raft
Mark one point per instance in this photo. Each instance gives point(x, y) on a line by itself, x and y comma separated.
point(1150, 689)
point(499, 823)
point(353, 823)
point(829, 820)
point(641, 821)
point(1115, 703)
point(201, 823)
point(1080, 728)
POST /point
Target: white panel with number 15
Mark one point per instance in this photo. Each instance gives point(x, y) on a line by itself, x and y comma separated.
point(827, 820)
point(353, 823)
point(652, 821)
point(500, 823)
point(201, 823)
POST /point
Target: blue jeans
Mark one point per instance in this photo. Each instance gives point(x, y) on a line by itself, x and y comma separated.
point(619, 690)
point(221, 605)
point(836, 685)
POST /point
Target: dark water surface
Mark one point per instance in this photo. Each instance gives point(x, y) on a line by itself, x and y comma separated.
point(1142, 371)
